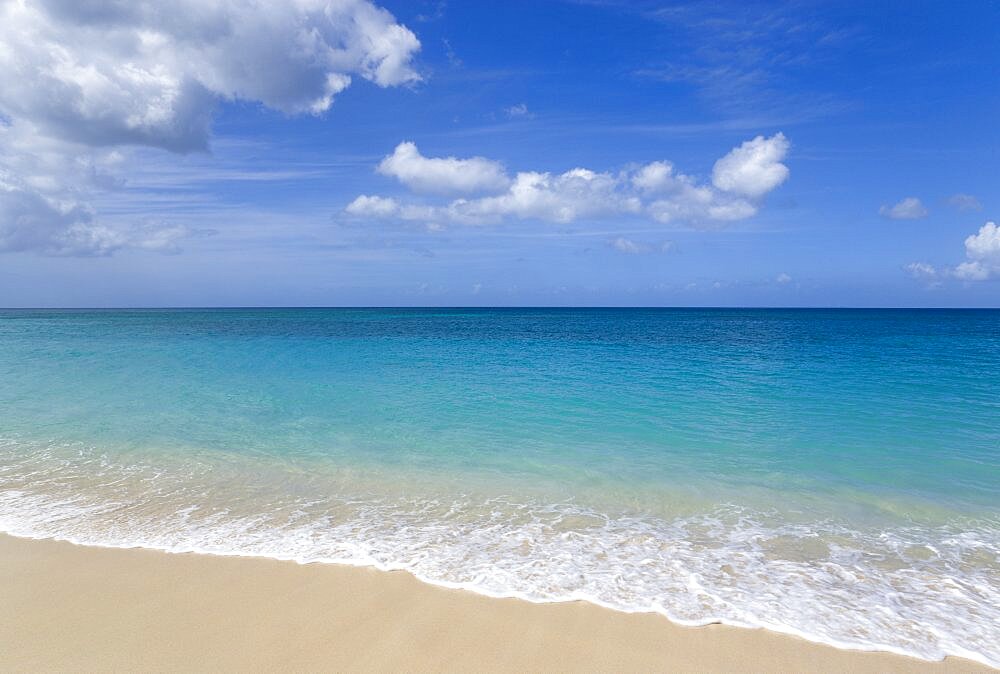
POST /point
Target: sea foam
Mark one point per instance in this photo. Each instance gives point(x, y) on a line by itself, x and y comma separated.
point(921, 591)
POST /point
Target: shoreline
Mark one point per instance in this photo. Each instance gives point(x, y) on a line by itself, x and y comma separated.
point(67, 606)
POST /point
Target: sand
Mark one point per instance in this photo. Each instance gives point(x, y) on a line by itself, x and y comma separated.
point(67, 607)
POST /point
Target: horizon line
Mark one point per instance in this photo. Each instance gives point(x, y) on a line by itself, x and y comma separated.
point(236, 307)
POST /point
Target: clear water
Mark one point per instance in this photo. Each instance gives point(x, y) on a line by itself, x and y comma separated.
point(833, 474)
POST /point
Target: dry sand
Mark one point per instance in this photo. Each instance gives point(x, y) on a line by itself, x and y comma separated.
point(65, 607)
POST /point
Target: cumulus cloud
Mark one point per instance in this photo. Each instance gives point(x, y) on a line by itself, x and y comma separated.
point(443, 175)
point(563, 198)
point(909, 208)
point(79, 78)
point(655, 191)
point(965, 202)
point(982, 251)
point(149, 72)
point(375, 206)
point(783, 278)
point(982, 260)
point(754, 168)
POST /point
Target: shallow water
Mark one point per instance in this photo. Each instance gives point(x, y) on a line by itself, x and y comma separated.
point(833, 474)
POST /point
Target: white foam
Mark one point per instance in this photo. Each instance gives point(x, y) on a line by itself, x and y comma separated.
point(925, 592)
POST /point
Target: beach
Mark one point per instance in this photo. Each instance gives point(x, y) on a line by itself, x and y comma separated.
point(68, 607)
point(701, 467)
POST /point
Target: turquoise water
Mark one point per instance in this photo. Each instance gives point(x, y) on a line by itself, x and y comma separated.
point(828, 473)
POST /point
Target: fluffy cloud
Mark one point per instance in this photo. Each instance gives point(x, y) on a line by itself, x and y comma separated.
point(563, 198)
point(754, 168)
point(983, 253)
point(783, 278)
point(149, 72)
point(655, 191)
point(374, 206)
point(965, 202)
point(909, 208)
point(446, 175)
point(79, 78)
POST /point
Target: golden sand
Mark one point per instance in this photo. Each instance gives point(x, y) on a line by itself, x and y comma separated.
point(66, 607)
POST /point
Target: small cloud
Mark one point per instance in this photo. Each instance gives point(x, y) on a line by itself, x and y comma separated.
point(921, 270)
point(518, 111)
point(982, 260)
point(909, 208)
point(983, 253)
point(965, 202)
point(754, 168)
point(449, 52)
point(783, 278)
point(476, 287)
point(443, 175)
point(373, 206)
point(624, 245)
point(436, 13)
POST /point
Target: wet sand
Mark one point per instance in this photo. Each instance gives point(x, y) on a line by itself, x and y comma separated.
point(66, 607)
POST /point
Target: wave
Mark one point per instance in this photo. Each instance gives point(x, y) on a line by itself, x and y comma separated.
point(922, 591)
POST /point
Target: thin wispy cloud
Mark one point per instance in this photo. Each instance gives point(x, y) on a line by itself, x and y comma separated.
point(750, 59)
point(965, 202)
point(909, 208)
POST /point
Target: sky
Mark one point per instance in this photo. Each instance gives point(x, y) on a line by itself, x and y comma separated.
point(538, 153)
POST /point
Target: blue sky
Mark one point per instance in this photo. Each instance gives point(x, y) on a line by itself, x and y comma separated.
point(775, 154)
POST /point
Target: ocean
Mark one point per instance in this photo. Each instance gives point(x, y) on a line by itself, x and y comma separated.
point(833, 474)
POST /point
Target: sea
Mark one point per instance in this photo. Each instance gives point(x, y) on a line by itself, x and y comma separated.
point(832, 474)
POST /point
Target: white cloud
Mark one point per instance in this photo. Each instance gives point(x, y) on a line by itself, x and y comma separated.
point(563, 198)
point(783, 278)
point(80, 78)
point(44, 207)
point(624, 245)
point(149, 72)
point(374, 206)
point(983, 253)
point(443, 175)
point(654, 191)
point(909, 208)
point(965, 202)
point(519, 110)
point(922, 270)
point(31, 220)
point(754, 168)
